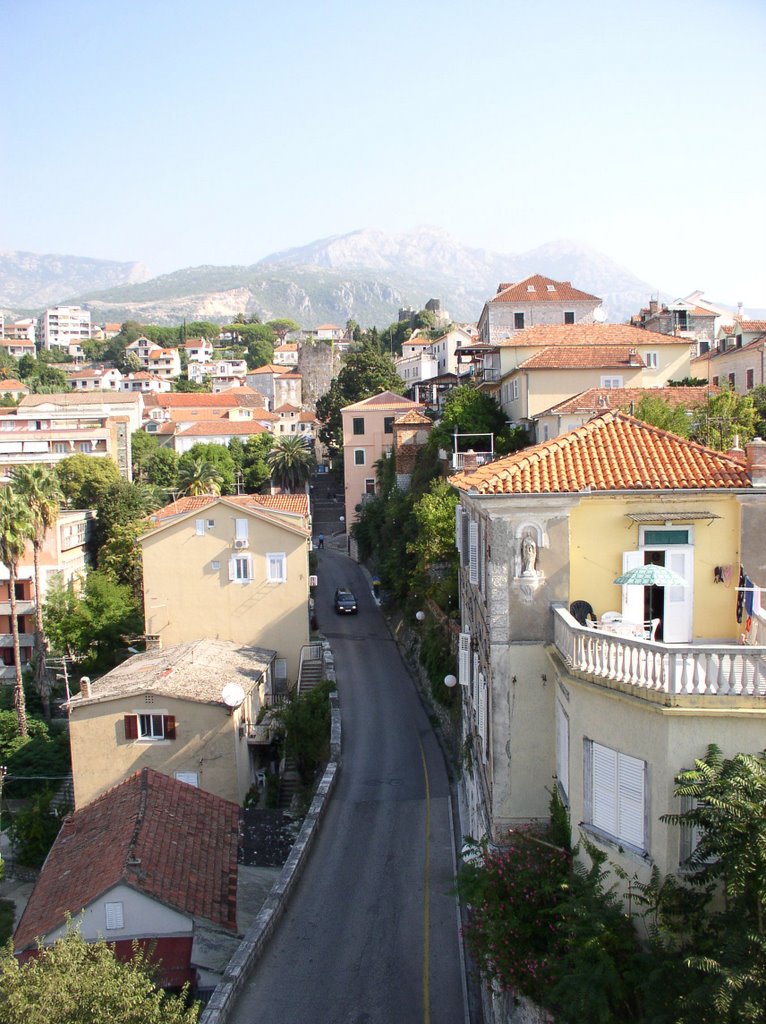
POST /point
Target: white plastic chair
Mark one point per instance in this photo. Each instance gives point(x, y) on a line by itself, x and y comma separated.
point(650, 628)
point(611, 617)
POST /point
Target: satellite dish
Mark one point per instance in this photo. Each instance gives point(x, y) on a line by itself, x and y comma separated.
point(232, 695)
point(599, 315)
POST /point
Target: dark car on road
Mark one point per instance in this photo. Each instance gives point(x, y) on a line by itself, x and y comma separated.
point(345, 602)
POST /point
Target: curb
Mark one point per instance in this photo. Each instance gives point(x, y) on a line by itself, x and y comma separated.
point(252, 945)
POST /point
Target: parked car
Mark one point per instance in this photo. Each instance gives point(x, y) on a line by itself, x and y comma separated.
point(345, 602)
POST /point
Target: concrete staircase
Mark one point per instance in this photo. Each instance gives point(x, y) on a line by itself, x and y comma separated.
point(311, 675)
point(326, 506)
point(289, 784)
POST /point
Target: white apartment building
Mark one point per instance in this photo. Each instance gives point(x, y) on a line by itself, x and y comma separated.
point(64, 326)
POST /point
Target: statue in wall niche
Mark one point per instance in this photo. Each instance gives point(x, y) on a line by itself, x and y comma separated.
point(528, 556)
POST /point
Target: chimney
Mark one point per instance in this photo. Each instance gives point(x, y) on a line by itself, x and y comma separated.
point(470, 462)
point(755, 460)
point(85, 691)
point(736, 452)
point(153, 642)
point(653, 306)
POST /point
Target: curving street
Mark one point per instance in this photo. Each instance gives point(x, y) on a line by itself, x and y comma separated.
point(371, 935)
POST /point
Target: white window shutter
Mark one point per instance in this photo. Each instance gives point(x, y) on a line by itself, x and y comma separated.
point(464, 659)
point(200, 527)
point(240, 529)
point(482, 716)
point(458, 527)
point(604, 762)
point(475, 679)
point(473, 553)
point(232, 568)
point(630, 799)
point(562, 748)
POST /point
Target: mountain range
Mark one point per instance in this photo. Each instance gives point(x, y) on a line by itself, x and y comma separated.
point(366, 275)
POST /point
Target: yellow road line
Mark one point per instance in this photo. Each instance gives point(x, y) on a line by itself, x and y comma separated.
point(426, 896)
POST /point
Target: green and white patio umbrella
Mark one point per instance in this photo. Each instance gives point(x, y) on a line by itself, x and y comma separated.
point(651, 575)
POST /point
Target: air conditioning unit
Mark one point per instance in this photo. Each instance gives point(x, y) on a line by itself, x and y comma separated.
point(239, 545)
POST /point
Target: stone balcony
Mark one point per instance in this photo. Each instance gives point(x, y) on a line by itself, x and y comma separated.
point(658, 671)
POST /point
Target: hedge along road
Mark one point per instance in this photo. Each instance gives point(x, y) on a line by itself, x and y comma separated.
point(371, 934)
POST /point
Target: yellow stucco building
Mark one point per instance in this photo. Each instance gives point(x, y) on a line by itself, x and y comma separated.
point(601, 690)
point(231, 568)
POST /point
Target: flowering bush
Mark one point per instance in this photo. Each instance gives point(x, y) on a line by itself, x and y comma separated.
point(513, 930)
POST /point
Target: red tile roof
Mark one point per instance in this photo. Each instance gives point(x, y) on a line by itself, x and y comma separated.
point(536, 289)
point(291, 375)
point(9, 384)
point(544, 335)
point(200, 399)
point(561, 357)
point(383, 400)
point(598, 400)
point(296, 504)
point(614, 452)
point(751, 326)
point(286, 407)
point(183, 838)
point(268, 368)
point(222, 427)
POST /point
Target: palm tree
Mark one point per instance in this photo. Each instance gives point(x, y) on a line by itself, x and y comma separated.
point(16, 529)
point(38, 485)
point(199, 476)
point(291, 462)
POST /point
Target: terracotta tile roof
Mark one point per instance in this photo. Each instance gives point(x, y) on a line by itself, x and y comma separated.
point(287, 346)
point(268, 368)
point(413, 417)
point(418, 341)
point(9, 384)
point(286, 407)
point(560, 357)
point(266, 416)
point(222, 427)
point(751, 326)
point(535, 289)
point(614, 452)
point(198, 399)
point(383, 400)
point(198, 343)
point(295, 504)
point(89, 372)
point(291, 375)
point(307, 417)
point(598, 400)
point(184, 839)
point(328, 327)
point(544, 335)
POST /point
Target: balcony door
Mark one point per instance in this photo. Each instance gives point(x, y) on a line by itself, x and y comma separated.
point(672, 605)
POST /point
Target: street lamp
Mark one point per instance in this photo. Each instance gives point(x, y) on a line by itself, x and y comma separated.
point(450, 681)
point(420, 616)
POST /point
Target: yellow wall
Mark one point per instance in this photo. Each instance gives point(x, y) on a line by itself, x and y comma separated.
point(667, 739)
point(102, 757)
point(600, 533)
point(186, 599)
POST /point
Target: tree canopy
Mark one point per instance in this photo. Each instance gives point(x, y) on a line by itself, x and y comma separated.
point(365, 372)
point(83, 478)
point(79, 982)
point(291, 461)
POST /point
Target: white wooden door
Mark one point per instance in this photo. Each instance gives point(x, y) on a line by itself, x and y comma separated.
point(632, 596)
point(677, 615)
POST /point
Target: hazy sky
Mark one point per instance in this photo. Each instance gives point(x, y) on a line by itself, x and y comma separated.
point(218, 132)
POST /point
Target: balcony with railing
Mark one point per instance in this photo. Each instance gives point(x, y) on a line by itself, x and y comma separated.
point(658, 671)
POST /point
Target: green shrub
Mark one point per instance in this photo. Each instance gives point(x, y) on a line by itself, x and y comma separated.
point(34, 828)
point(306, 721)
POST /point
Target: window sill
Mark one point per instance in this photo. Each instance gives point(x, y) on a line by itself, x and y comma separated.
point(605, 839)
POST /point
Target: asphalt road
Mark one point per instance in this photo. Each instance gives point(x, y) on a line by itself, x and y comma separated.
point(371, 935)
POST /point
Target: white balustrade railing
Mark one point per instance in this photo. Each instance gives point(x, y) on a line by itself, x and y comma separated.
point(700, 669)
